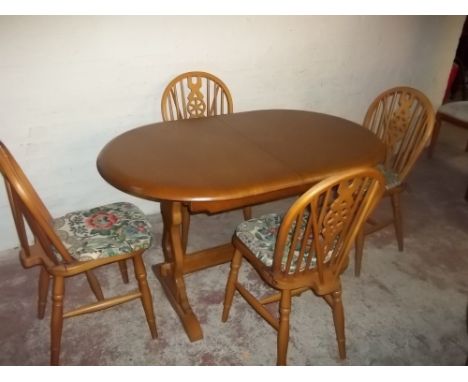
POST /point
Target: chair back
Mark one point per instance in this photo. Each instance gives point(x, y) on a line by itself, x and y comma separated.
point(318, 230)
point(26, 206)
point(195, 95)
point(403, 118)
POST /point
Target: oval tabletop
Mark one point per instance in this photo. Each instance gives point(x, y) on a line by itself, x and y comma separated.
point(236, 159)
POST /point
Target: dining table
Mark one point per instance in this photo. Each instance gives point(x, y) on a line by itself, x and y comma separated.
point(216, 164)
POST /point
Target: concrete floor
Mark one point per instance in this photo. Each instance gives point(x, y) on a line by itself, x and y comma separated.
point(407, 308)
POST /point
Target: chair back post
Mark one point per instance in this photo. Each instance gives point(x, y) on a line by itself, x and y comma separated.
point(194, 95)
point(26, 205)
point(403, 118)
point(318, 230)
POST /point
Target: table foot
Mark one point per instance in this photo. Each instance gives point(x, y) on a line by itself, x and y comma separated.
point(178, 299)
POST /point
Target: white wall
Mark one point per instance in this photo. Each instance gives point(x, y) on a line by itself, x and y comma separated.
point(70, 84)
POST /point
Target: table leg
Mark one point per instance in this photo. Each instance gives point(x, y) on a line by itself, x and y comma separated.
point(435, 135)
point(171, 272)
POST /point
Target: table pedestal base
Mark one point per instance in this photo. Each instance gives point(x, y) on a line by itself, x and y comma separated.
point(176, 291)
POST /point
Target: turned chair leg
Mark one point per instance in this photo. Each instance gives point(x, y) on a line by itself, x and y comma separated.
point(94, 284)
point(44, 280)
point(56, 319)
point(185, 227)
point(146, 299)
point(247, 211)
point(359, 250)
point(231, 283)
point(338, 319)
point(123, 270)
point(397, 219)
point(283, 331)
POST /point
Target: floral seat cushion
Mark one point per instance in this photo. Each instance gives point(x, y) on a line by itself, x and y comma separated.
point(110, 230)
point(391, 177)
point(259, 235)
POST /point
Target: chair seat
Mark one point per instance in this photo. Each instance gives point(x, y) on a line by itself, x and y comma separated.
point(259, 235)
point(458, 110)
point(392, 179)
point(110, 230)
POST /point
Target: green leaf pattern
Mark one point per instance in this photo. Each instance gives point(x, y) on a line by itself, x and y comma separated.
point(391, 177)
point(259, 235)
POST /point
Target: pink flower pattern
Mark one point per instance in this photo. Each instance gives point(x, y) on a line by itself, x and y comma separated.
point(101, 220)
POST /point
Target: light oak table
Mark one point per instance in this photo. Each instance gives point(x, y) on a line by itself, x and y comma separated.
point(226, 162)
point(455, 113)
